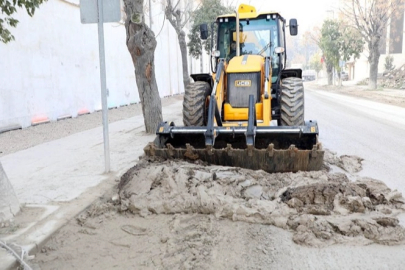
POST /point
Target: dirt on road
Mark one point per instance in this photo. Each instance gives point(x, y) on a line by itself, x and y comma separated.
point(180, 215)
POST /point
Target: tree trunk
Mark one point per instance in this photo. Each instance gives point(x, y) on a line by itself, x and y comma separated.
point(339, 77)
point(9, 205)
point(141, 44)
point(183, 49)
point(373, 59)
point(175, 17)
point(329, 71)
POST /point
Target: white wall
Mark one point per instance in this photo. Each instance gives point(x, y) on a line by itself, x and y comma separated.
point(167, 75)
point(362, 69)
point(52, 67)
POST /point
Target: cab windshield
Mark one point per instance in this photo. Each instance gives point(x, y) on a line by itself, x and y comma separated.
point(256, 36)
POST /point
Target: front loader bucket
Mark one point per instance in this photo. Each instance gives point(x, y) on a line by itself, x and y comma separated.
point(276, 149)
point(272, 148)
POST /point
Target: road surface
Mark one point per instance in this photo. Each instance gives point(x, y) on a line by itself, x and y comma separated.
point(370, 130)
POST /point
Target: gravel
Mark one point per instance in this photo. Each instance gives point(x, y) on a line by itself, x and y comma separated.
point(17, 140)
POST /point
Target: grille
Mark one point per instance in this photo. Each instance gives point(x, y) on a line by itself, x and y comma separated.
point(239, 89)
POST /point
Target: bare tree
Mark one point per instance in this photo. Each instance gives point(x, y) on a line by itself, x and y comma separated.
point(178, 19)
point(371, 18)
point(308, 46)
point(141, 44)
point(315, 35)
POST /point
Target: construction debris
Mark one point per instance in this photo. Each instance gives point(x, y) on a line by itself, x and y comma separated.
point(394, 78)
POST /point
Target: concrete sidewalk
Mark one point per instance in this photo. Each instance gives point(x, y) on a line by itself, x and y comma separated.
point(57, 180)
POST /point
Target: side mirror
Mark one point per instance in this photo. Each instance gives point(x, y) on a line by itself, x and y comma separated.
point(293, 27)
point(203, 31)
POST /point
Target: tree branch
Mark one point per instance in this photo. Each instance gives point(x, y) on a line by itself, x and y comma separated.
point(170, 13)
point(189, 17)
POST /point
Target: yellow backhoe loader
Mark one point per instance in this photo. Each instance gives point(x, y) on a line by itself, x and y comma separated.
point(228, 115)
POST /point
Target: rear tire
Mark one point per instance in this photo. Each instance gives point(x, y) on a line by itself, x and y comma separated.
point(292, 102)
point(194, 103)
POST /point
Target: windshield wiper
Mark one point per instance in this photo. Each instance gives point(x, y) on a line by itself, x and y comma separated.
point(265, 48)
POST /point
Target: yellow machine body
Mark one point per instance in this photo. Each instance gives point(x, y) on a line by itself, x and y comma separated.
point(234, 116)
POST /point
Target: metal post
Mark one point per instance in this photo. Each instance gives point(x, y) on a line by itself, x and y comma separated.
point(202, 59)
point(237, 34)
point(103, 85)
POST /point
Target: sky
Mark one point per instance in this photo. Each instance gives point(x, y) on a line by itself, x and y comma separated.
point(309, 13)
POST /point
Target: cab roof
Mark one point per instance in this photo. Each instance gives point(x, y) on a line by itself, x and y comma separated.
point(248, 12)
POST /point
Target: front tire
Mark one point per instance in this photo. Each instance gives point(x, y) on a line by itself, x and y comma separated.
point(194, 103)
point(292, 102)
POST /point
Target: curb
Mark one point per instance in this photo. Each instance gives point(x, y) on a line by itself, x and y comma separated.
point(63, 117)
point(10, 128)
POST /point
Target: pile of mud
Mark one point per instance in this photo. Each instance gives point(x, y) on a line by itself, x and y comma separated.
point(320, 208)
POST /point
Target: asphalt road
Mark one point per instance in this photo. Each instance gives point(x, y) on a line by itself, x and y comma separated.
point(370, 130)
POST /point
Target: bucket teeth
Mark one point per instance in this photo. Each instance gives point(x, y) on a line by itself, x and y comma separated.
point(250, 150)
point(190, 152)
point(292, 149)
point(268, 159)
point(209, 150)
point(229, 149)
point(170, 149)
point(270, 150)
point(314, 151)
point(150, 149)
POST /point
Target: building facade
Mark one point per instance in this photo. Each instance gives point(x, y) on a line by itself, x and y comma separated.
point(52, 67)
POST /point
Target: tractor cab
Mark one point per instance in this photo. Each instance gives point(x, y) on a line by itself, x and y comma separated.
point(250, 48)
point(258, 36)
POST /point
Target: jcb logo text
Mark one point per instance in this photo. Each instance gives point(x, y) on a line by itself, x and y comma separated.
point(243, 83)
